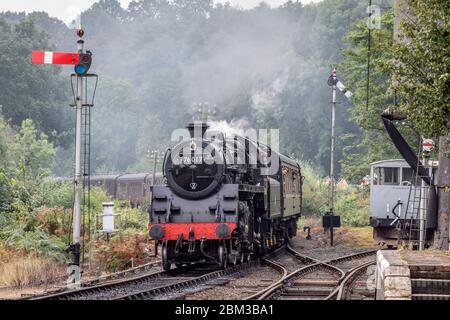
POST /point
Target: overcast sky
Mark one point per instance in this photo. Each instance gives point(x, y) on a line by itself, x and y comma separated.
point(68, 9)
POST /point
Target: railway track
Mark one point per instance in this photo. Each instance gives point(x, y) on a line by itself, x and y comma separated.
point(206, 281)
point(93, 281)
point(355, 285)
point(149, 286)
point(314, 279)
point(300, 277)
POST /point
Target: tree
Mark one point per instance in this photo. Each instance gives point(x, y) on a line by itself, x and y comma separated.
point(266, 67)
point(31, 90)
point(371, 143)
point(421, 66)
point(35, 152)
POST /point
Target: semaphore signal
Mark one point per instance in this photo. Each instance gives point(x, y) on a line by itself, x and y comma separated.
point(329, 220)
point(82, 62)
point(49, 57)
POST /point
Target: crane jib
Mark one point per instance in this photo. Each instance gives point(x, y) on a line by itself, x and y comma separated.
point(404, 149)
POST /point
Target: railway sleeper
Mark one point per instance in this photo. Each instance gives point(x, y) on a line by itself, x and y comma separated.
point(317, 291)
point(314, 283)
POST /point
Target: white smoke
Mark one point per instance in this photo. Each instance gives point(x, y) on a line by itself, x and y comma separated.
point(234, 127)
point(266, 99)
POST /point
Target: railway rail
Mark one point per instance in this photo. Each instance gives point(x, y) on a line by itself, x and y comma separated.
point(204, 281)
point(302, 277)
point(144, 268)
point(315, 279)
point(149, 286)
point(355, 284)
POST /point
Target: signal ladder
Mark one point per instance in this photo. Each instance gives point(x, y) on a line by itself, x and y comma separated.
point(86, 169)
point(414, 229)
point(86, 157)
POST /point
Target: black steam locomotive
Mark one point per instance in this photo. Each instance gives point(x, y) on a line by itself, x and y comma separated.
point(220, 205)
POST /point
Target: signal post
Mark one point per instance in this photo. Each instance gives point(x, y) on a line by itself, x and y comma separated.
point(330, 220)
point(82, 62)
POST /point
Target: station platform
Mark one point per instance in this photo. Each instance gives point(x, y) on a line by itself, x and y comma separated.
point(413, 275)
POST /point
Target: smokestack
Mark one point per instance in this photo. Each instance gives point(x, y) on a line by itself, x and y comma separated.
point(199, 126)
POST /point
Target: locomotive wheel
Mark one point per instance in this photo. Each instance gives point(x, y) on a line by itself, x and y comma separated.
point(222, 256)
point(165, 258)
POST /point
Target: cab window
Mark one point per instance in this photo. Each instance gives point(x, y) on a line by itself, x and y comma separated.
point(386, 176)
point(409, 177)
point(391, 176)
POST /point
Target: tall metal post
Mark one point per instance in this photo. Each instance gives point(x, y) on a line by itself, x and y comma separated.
point(332, 151)
point(77, 178)
point(423, 207)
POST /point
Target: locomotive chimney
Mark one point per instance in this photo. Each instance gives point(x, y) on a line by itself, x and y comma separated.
point(197, 127)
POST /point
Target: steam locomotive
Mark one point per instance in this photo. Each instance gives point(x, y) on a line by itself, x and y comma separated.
point(221, 206)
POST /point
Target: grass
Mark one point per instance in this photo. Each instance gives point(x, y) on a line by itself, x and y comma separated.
point(30, 270)
point(345, 235)
point(356, 236)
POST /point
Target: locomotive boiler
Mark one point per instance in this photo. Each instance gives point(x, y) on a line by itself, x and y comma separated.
point(225, 200)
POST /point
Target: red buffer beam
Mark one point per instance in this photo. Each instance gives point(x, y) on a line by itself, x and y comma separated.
point(49, 57)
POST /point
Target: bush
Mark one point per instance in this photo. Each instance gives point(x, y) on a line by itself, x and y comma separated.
point(314, 191)
point(353, 207)
point(133, 219)
point(31, 239)
point(55, 221)
point(60, 194)
point(117, 254)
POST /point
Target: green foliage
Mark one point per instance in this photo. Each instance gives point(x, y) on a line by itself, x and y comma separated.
point(133, 219)
point(58, 194)
point(36, 153)
point(314, 191)
point(5, 194)
point(353, 207)
point(421, 66)
point(266, 66)
point(31, 90)
point(371, 143)
point(351, 204)
point(33, 240)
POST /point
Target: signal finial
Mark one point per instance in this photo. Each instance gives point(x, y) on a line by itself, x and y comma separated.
point(80, 33)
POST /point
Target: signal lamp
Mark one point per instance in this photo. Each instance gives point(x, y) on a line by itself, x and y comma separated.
point(84, 63)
